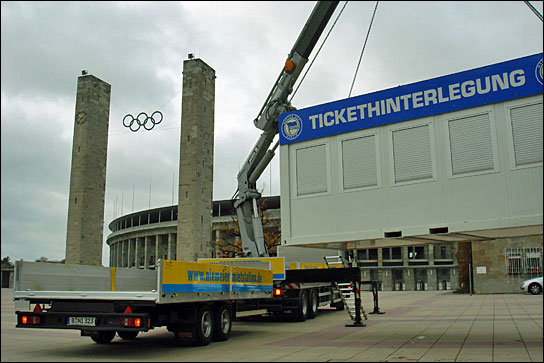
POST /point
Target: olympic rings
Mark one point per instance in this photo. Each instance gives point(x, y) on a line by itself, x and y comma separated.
point(142, 119)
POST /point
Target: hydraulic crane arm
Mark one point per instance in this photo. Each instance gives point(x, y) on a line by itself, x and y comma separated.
point(247, 210)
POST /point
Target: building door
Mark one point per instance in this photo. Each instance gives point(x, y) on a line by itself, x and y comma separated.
point(420, 276)
point(398, 282)
point(443, 279)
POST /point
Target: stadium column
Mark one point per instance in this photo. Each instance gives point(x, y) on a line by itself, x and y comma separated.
point(157, 250)
point(169, 246)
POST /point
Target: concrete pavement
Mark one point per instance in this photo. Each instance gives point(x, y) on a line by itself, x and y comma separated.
point(424, 326)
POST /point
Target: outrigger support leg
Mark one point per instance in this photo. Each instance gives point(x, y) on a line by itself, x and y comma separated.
point(375, 294)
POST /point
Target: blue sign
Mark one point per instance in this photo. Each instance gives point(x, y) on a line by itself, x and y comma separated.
point(499, 82)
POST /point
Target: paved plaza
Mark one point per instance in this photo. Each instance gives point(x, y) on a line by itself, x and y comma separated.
point(422, 326)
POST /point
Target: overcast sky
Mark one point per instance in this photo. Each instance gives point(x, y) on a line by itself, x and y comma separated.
point(139, 48)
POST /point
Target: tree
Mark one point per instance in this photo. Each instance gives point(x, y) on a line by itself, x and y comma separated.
point(6, 262)
point(230, 243)
point(271, 231)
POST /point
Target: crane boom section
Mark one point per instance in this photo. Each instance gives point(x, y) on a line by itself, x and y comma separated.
point(247, 209)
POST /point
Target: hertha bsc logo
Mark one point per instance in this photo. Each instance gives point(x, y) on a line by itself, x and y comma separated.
point(538, 72)
point(291, 127)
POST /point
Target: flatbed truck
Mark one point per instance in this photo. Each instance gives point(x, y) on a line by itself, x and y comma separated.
point(199, 300)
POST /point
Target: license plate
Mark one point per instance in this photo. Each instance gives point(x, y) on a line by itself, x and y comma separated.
point(82, 321)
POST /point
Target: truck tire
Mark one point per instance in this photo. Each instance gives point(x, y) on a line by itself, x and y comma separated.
point(103, 337)
point(313, 303)
point(222, 319)
point(301, 313)
point(127, 335)
point(203, 329)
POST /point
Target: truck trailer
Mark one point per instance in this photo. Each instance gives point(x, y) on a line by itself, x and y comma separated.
point(198, 300)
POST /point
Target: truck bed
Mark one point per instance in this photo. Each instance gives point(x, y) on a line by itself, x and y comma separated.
point(170, 282)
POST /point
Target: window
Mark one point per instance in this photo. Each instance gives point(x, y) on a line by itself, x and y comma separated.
point(311, 170)
point(442, 252)
point(362, 255)
point(416, 252)
point(391, 253)
point(533, 260)
point(527, 134)
point(367, 254)
point(523, 260)
point(412, 159)
point(359, 165)
point(471, 144)
point(514, 261)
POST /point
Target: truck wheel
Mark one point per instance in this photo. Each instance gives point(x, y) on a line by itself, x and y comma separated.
point(103, 337)
point(203, 329)
point(222, 320)
point(313, 304)
point(128, 335)
point(302, 311)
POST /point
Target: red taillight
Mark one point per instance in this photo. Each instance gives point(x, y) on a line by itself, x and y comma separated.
point(278, 292)
point(30, 320)
point(131, 322)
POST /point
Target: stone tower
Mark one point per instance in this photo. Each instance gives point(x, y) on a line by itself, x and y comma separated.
point(196, 162)
point(84, 235)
